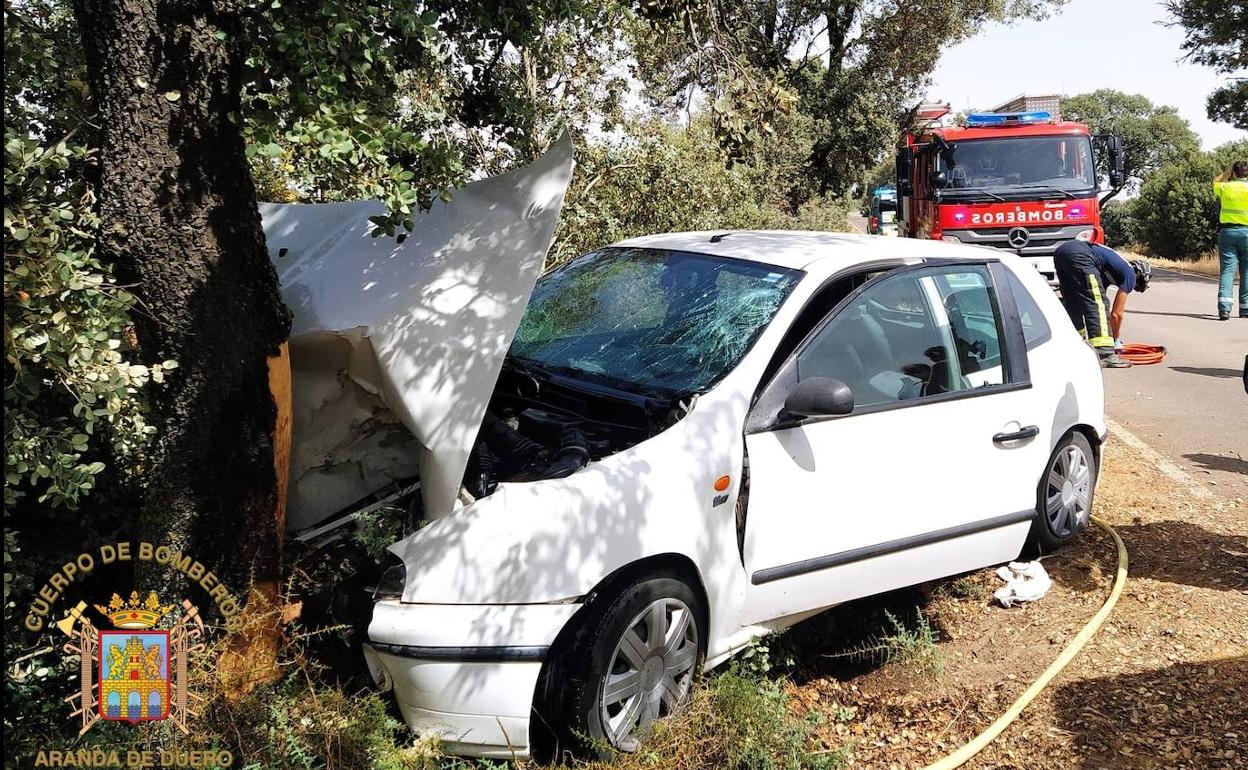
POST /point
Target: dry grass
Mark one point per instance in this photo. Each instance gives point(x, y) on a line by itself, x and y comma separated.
point(1203, 264)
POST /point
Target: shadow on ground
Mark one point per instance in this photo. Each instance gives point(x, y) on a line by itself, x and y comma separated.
point(1182, 552)
point(1189, 715)
point(1209, 371)
point(831, 644)
point(1203, 316)
point(1219, 463)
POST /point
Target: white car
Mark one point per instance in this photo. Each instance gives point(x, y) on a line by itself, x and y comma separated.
point(696, 439)
point(666, 449)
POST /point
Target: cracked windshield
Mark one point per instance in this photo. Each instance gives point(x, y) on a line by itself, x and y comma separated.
point(650, 319)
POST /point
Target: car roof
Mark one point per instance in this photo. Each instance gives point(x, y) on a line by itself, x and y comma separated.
point(812, 251)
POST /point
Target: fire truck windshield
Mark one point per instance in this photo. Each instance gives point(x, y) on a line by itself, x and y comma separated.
point(1043, 165)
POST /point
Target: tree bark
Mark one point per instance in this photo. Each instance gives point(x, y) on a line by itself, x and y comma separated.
point(179, 220)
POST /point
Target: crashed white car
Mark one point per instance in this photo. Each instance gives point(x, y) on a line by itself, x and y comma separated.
point(679, 443)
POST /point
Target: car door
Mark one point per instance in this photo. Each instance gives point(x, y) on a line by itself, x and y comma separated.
point(932, 473)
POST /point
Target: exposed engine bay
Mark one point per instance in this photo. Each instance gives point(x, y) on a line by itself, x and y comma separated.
point(544, 425)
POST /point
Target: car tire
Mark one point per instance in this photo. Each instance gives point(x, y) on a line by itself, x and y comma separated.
point(1064, 495)
point(614, 681)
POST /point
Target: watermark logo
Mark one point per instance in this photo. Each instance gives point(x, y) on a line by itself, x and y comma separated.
point(135, 672)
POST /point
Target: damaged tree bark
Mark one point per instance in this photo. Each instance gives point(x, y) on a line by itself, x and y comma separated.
point(179, 220)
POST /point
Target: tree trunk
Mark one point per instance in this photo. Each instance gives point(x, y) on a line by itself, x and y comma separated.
point(179, 220)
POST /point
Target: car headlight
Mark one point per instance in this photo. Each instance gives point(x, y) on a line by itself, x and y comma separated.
point(950, 239)
point(393, 577)
point(1085, 235)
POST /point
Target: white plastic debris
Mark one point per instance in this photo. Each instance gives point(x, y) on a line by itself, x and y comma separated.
point(1025, 581)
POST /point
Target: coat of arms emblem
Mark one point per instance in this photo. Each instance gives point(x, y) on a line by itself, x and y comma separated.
point(142, 670)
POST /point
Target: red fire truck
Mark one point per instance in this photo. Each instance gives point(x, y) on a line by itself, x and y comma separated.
point(1023, 181)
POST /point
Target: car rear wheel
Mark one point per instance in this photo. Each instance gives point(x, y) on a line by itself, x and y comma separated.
point(631, 663)
point(1064, 497)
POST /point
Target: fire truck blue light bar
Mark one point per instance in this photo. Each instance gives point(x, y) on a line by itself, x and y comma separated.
point(984, 119)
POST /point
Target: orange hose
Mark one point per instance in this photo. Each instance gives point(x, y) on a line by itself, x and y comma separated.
point(1138, 354)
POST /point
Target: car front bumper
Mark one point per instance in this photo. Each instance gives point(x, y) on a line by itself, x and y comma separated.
point(466, 673)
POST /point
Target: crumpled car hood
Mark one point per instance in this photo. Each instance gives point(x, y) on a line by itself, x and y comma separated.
point(413, 331)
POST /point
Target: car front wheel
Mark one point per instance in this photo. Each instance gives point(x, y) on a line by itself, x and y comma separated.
point(632, 662)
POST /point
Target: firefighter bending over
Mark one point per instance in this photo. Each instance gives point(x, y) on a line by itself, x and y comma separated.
point(1085, 271)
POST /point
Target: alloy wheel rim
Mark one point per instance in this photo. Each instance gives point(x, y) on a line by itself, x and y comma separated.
point(1068, 492)
point(650, 672)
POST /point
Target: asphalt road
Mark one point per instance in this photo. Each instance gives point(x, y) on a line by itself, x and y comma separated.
point(1191, 407)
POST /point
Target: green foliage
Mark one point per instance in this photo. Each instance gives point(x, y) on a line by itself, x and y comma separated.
point(852, 67)
point(1176, 211)
point(402, 102)
point(913, 646)
point(376, 530)
point(1215, 38)
point(884, 173)
point(1152, 135)
point(1122, 227)
point(71, 394)
point(666, 179)
point(1229, 104)
point(299, 726)
point(969, 587)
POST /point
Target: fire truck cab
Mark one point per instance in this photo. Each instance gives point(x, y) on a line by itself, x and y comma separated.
point(1022, 181)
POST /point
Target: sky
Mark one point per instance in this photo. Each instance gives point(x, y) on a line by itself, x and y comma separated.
point(1088, 44)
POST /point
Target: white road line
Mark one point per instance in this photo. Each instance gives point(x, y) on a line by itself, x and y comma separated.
point(1158, 460)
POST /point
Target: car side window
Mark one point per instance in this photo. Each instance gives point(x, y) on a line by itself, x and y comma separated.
point(915, 335)
point(974, 325)
point(1031, 318)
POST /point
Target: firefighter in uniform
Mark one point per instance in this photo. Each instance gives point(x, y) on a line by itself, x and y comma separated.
point(1084, 272)
point(1232, 191)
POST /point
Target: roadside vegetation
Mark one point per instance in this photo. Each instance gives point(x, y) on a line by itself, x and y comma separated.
point(1174, 216)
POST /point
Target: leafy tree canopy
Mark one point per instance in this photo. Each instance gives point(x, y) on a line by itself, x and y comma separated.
point(1215, 37)
point(1152, 135)
point(853, 67)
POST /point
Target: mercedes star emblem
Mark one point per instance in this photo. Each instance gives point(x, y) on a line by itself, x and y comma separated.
point(1018, 237)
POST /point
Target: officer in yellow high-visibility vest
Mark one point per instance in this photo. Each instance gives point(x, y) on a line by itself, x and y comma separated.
point(1231, 187)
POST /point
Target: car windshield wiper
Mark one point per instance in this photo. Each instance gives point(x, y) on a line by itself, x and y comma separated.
point(974, 190)
point(1054, 188)
point(595, 380)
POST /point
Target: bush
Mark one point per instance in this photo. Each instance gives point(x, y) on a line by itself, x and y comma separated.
point(1120, 224)
point(661, 178)
point(1176, 212)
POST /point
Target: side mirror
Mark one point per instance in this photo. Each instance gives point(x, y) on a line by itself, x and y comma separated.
point(1111, 145)
point(1116, 160)
point(937, 180)
point(818, 397)
point(901, 170)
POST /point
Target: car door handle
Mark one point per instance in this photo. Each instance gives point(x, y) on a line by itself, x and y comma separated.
point(1023, 434)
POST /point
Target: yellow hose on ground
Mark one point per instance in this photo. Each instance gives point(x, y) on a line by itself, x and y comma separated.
point(981, 741)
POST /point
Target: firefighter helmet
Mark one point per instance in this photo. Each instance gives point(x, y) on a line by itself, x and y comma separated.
point(1143, 273)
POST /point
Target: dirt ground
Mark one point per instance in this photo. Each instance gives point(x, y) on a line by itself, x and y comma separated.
point(1163, 685)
